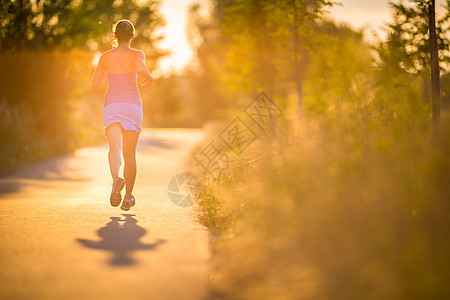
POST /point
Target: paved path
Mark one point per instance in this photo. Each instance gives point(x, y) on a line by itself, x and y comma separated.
point(61, 239)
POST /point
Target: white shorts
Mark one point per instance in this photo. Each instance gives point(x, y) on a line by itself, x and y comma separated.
point(127, 114)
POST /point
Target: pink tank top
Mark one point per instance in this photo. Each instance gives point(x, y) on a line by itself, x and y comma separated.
point(122, 87)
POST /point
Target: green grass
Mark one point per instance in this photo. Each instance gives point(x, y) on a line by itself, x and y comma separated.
point(339, 208)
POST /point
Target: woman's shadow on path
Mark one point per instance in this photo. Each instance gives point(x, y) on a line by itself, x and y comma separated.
point(121, 237)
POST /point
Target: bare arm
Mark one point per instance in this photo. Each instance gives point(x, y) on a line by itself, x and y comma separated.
point(99, 75)
point(142, 70)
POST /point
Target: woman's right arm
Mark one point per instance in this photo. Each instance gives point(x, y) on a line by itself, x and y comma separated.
point(142, 70)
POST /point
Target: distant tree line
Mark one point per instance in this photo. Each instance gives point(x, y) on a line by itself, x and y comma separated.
point(280, 46)
point(85, 24)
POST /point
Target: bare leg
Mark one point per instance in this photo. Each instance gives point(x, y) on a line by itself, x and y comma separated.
point(114, 135)
point(130, 139)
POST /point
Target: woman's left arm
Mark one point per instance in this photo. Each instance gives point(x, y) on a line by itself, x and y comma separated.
point(99, 75)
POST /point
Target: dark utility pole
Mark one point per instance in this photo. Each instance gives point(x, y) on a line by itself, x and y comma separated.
point(435, 71)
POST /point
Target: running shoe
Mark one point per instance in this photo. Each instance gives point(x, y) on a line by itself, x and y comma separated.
point(128, 203)
point(117, 187)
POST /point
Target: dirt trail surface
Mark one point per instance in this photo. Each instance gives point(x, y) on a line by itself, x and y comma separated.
point(61, 239)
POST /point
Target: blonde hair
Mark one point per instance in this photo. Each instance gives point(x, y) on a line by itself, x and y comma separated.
point(123, 31)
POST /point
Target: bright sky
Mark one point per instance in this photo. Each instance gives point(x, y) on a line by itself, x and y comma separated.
point(371, 14)
point(175, 12)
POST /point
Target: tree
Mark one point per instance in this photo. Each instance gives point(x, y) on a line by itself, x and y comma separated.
point(269, 41)
point(407, 49)
point(435, 77)
point(86, 24)
point(302, 21)
point(206, 78)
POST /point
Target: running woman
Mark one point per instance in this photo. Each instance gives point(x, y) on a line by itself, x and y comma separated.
point(122, 111)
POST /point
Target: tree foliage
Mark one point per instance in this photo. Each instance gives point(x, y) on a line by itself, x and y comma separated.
point(262, 38)
point(85, 24)
point(250, 45)
point(407, 48)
